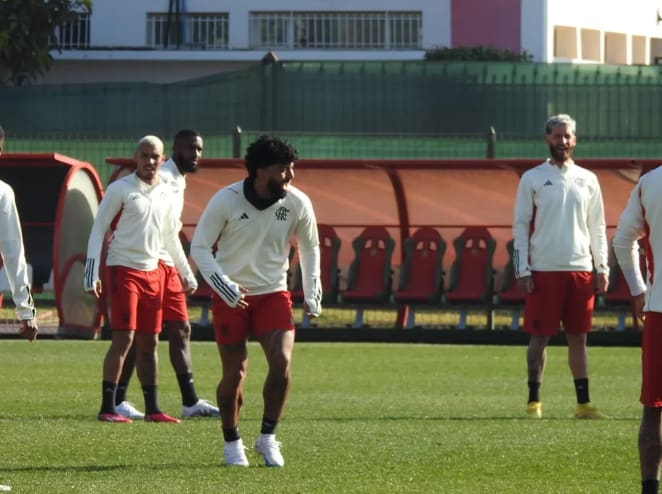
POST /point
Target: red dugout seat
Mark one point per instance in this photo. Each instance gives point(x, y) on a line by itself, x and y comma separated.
point(421, 273)
point(472, 272)
point(369, 279)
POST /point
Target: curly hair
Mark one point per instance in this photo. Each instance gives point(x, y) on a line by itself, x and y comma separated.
point(268, 150)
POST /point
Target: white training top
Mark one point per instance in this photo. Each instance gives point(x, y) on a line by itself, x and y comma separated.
point(253, 248)
point(13, 254)
point(569, 230)
point(642, 217)
point(170, 175)
point(145, 223)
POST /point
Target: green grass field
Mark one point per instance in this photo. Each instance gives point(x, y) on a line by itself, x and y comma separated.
point(368, 418)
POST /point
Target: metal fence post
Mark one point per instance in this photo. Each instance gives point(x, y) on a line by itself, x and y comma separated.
point(491, 143)
point(236, 142)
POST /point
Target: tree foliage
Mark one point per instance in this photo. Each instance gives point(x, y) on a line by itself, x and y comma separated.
point(476, 54)
point(28, 31)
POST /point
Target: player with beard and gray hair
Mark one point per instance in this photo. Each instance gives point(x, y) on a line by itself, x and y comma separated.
point(559, 236)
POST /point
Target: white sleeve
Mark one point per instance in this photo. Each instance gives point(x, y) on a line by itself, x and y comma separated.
point(13, 256)
point(630, 229)
point(208, 230)
point(174, 247)
point(110, 205)
point(598, 230)
point(522, 216)
point(309, 257)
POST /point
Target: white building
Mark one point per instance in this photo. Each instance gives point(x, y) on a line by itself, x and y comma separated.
point(172, 40)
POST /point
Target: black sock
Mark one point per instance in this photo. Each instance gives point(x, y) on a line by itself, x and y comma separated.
point(268, 426)
point(120, 393)
point(149, 393)
point(230, 435)
point(651, 486)
point(108, 389)
point(187, 388)
point(581, 388)
point(534, 389)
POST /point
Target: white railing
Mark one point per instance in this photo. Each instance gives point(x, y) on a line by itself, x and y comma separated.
point(74, 34)
point(336, 30)
point(192, 30)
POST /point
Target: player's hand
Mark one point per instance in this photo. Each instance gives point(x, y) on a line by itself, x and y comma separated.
point(29, 329)
point(95, 289)
point(312, 314)
point(189, 286)
point(638, 306)
point(602, 284)
point(525, 284)
point(312, 304)
point(230, 292)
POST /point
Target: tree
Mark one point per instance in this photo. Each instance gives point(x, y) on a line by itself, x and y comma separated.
point(476, 54)
point(28, 31)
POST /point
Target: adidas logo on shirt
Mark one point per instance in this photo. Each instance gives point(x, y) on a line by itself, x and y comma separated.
point(243, 216)
point(549, 182)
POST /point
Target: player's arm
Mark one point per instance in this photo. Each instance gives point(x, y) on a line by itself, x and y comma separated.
point(13, 257)
point(174, 247)
point(522, 216)
point(208, 230)
point(626, 248)
point(109, 207)
point(598, 231)
point(309, 257)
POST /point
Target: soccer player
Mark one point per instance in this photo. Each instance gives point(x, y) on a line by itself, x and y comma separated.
point(139, 206)
point(559, 237)
point(251, 223)
point(642, 217)
point(13, 259)
point(186, 154)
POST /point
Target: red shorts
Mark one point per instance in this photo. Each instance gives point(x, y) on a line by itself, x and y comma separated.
point(174, 298)
point(265, 313)
point(651, 363)
point(135, 299)
point(560, 297)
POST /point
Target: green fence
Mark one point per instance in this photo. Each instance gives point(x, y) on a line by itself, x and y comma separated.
point(401, 98)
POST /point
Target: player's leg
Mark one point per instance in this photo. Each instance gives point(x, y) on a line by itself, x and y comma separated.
point(275, 331)
point(231, 330)
point(542, 320)
point(650, 435)
point(178, 329)
point(650, 449)
point(577, 322)
point(149, 321)
point(123, 295)
point(122, 405)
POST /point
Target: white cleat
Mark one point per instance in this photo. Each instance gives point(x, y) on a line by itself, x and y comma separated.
point(202, 408)
point(235, 454)
point(267, 447)
point(128, 410)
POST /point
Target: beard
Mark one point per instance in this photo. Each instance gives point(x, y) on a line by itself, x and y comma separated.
point(560, 154)
point(184, 165)
point(276, 188)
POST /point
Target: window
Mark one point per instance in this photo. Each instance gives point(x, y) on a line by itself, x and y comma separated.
point(336, 30)
point(75, 33)
point(194, 30)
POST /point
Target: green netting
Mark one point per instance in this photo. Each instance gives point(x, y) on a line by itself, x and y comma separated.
point(434, 98)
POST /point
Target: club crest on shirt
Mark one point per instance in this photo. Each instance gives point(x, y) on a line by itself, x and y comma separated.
point(281, 213)
point(580, 181)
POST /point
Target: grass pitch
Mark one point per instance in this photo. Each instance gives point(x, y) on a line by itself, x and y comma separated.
point(362, 418)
